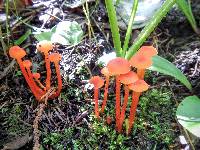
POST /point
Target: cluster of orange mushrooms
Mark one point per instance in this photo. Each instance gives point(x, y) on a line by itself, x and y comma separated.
point(132, 81)
point(38, 89)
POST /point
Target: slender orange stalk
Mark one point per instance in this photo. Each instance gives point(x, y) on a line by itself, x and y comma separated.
point(117, 104)
point(106, 73)
point(135, 99)
point(122, 117)
point(105, 94)
point(98, 83)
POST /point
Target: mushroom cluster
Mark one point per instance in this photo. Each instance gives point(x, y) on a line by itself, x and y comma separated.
point(122, 70)
point(38, 89)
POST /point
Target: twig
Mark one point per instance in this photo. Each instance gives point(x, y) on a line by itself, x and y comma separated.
point(36, 131)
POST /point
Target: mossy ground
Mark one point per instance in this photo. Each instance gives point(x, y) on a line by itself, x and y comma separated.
point(154, 128)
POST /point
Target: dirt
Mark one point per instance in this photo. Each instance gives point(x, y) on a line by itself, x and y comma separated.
point(176, 41)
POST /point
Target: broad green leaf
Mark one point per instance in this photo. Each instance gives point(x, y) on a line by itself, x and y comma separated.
point(23, 38)
point(164, 66)
point(188, 114)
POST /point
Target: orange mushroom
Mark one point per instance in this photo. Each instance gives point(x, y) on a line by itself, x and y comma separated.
point(98, 82)
point(35, 89)
point(126, 79)
point(45, 47)
point(36, 76)
point(106, 73)
point(18, 53)
point(137, 87)
point(117, 67)
point(142, 59)
point(55, 57)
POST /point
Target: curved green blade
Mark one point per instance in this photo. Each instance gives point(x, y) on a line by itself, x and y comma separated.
point(164, 66)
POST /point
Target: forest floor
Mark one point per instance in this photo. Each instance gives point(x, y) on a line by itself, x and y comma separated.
point(68, 121)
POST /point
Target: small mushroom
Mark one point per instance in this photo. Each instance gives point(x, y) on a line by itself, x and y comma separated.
point(117, 67)
point(45, 47)
point(126, 79)
point(107, 74)
point(137, 87)
point(98, 82)
point(18, 53)
point(36, 76)
point(142, 59)
point(34, 88)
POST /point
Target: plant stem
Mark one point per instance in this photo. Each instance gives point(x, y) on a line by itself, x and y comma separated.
point(167, 5)
point(114, 26)
point(129, 29)
point(105, 94)
point(122, 116)
point(117, 104)
point(96, 107)
point(135, 99)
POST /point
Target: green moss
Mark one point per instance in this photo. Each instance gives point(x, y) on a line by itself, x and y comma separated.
point(152, 128)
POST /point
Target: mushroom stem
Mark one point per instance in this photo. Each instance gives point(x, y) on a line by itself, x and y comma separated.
point(96, 107)
point(105, 94)
point(124, 107)
point(141, 73)
point(40, 84)
point(28, 79)
point(135, 99)
point(117, 104)
point(36, 90)
point(48, 69)
point(59, 80)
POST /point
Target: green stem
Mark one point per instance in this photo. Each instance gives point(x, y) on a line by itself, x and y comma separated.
point(129, 29)
point(114, 26)
point(167, 5)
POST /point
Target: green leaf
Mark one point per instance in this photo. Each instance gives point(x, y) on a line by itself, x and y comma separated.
point(65, 33)
point(45, 35)
point(164, 66)
point(188, 114)
point(23, 38)
point(185, 7)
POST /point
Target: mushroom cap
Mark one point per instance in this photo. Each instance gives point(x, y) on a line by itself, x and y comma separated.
point(97, 81)
point(118, 66)
point(140, 61)
point(36, 75)
point(55, 57)
point(128, 78)
point(16, 52)
point(105, 71)
point(139, 86)
point(44, 46)
point(148, 51)
point(27, 63)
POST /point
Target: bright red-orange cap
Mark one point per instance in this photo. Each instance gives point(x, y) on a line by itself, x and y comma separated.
point(148, 51)
point(45, 46)
point(27, 63)
point(128, 78)
point(139, 86)
point(36, 75)
point(97, 81)
point(140, 61)
point(118, 66)
point(55, 57)
point(16, 52)
point(105, 71)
